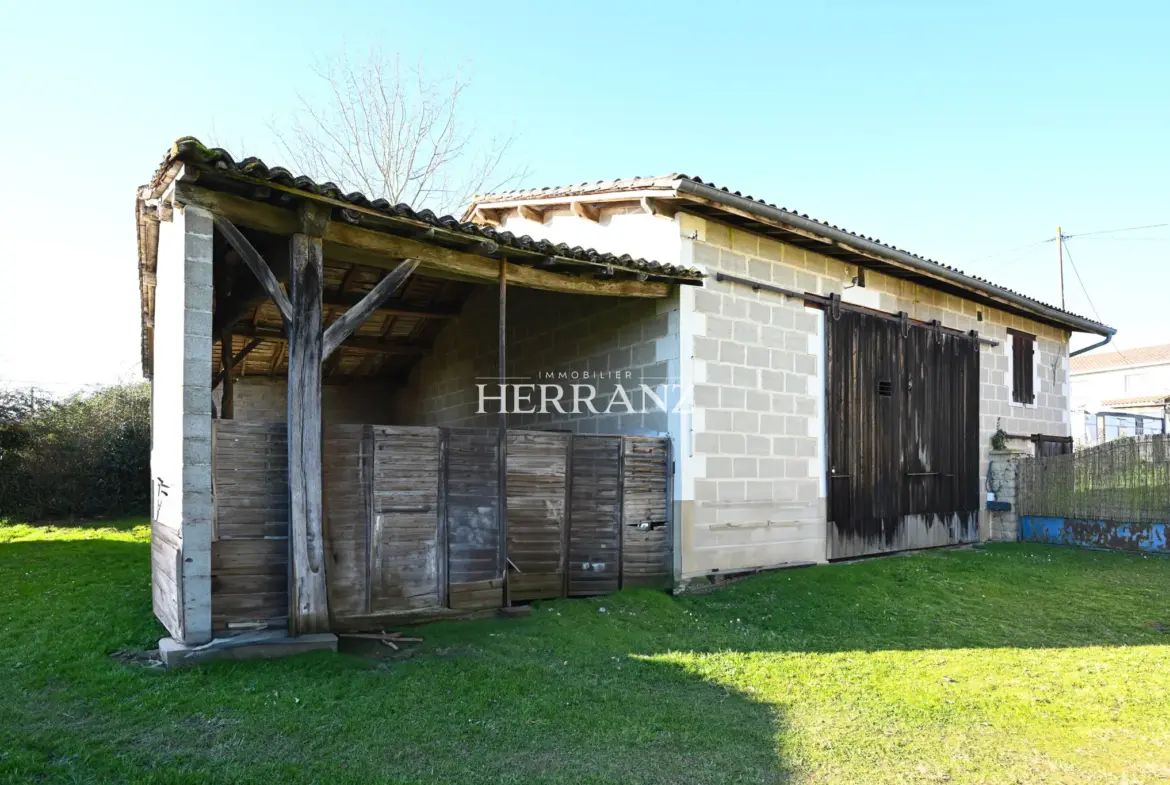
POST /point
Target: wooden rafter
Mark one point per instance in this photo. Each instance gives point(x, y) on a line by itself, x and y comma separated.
point(237, 359)
point(353, 318)
point(256, 264)
point(360, 342)
point(585, 211)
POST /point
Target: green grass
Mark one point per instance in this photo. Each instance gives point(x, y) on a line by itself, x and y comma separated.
point(1010, 664)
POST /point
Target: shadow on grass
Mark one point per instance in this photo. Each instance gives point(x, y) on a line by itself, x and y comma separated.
point(495, 701)
point(574, 693)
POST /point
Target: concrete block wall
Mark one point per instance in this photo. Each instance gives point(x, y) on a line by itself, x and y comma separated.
point(263, 399)
point(753, 486)
point(756, 359)
point(552, 339)
point(181, 409)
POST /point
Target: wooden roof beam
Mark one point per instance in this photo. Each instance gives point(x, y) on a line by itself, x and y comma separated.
point(388, 249)
point(353, 342)
point(586, 211)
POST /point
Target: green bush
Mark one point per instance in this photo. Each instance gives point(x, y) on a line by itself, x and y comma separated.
point(85, 456)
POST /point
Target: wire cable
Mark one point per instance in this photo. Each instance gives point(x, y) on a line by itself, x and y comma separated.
point(1085, 289)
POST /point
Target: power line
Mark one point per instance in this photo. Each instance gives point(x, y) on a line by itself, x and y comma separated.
point(1116, 231)
point(1085, 289)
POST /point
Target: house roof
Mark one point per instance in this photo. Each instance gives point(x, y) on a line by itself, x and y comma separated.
point(1106, 359)
point(388, 343)
point(1152, 399)
point(190, 150)
point(793, 227)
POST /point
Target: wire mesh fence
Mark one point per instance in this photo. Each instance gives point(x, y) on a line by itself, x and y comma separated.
point(1127, 479)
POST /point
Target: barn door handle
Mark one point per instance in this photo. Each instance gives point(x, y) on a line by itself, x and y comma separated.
point(922, 474)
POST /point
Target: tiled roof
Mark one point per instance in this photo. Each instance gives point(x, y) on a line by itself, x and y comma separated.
point(1152, 399)
point(670, 182)
point(1117, 358)
point(191, 151)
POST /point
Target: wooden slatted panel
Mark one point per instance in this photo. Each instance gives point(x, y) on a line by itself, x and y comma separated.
point(472, 481)
point(347, 470)
point(593, 515)
point(536, 513)
point(249, 552)
point(646, 557)
point(166, 569)
point(404, 563)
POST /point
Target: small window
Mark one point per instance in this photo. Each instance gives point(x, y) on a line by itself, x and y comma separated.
point(1023, 362)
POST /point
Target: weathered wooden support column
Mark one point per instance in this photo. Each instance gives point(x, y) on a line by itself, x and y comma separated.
point(502, 434)
point(227, 403)
point(308, 601)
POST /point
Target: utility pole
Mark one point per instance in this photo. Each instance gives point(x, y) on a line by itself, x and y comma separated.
point(1060, 260)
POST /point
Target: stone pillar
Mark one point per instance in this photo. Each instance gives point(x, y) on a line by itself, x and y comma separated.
point(1002, 479)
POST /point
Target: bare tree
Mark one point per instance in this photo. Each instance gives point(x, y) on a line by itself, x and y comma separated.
point(394, 134)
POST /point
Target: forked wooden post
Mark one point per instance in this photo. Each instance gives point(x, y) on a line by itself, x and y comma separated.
point(308, 347)
point(308, 601)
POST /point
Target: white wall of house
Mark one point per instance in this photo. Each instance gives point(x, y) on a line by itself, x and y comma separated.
point(1091, 388)
point(750, 488)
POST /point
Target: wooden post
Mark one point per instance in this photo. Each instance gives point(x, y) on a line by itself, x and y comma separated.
point(227, 404)
point(308, 600)
point(502, 435)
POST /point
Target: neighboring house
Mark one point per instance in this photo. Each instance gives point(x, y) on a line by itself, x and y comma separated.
point(841, 394)
point(1121, 392)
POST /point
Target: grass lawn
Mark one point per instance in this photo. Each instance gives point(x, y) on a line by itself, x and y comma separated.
point(1015, 663)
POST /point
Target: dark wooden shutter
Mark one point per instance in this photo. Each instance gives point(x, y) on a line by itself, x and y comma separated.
point(1022, 359)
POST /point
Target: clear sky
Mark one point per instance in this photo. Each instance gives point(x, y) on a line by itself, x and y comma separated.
point(964, 132)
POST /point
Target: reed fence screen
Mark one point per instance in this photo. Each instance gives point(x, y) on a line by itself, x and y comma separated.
point(1126, 479)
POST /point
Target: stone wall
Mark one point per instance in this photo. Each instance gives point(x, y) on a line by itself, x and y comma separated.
point(552, 339)
point(1002, 478)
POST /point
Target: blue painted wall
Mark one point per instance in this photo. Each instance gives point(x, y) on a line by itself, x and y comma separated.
point(1112, 535)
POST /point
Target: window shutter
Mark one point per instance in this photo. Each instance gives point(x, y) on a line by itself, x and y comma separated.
point(1017, 367)
point(1022, 368)
point(1029, 395)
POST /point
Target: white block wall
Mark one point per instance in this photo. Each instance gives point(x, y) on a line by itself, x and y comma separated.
point(578, 339)
point(755, 478)
point(181, 402)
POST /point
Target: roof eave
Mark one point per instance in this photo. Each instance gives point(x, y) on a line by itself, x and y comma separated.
point(864, 247)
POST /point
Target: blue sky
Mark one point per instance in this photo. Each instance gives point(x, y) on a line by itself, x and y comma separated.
point(962, 132)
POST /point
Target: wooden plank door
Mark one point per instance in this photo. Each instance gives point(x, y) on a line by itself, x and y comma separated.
point(404, 570)
point(474, 572)
point(537, 463)
point(595, 515)
point(646, 554)
point(864, 404)
point(940, 440)
point(903, 429)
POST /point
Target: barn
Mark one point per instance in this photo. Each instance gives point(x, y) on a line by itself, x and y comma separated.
point(365, 414)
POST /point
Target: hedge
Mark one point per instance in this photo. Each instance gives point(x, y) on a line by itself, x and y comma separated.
point(84, 456)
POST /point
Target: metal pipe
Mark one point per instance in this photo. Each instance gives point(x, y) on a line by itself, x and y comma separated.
point(860, 244)
point(1108, 338)
point(833, 302)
